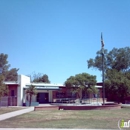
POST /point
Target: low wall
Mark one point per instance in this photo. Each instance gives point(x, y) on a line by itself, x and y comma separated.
point(104, 107)
point(125, 105)
point(40, 108)
point(70, 100)
point(81, 107)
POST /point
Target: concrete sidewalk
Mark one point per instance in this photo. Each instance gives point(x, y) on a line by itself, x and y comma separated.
point(15, 113)
point(50, 129)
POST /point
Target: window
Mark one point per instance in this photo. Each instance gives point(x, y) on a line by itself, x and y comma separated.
point(60, 95)
point(71, 94)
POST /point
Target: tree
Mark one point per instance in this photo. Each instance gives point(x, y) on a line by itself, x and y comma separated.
point(118, 59)
point(117, 85)
point(73, 85)
point(43, 78)
point(40, 78)
point(3, 88)
point(10, 75)
point(117, 72)
point(31, 91)
point(97, 62)
point(81, 82)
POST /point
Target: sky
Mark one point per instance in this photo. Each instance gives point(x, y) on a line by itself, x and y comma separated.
point(57, 37)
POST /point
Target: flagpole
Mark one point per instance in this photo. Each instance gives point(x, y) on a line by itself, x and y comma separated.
point(103, 85)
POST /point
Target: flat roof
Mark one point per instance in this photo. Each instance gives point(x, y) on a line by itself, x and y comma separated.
point(51, 85)
point(45, 88)
point(44, 85)
point(98, 86)
point(11, 83)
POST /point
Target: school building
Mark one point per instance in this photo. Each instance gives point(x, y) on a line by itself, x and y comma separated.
point(46, 93)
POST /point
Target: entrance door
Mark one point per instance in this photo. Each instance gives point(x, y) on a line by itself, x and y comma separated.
point(42, 97)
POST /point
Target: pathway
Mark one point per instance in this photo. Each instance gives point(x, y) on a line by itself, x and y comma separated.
point(15, 113)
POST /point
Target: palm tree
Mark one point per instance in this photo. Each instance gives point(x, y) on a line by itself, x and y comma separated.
point(31, 91)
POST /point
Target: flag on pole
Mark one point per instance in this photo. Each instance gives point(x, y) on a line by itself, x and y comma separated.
point(102, 42)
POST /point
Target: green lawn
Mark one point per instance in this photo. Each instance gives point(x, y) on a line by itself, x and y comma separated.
point(94, 119)
point(4, 110)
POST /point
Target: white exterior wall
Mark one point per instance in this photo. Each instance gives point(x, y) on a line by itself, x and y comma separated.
point(22, 79)
point(21, 95)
